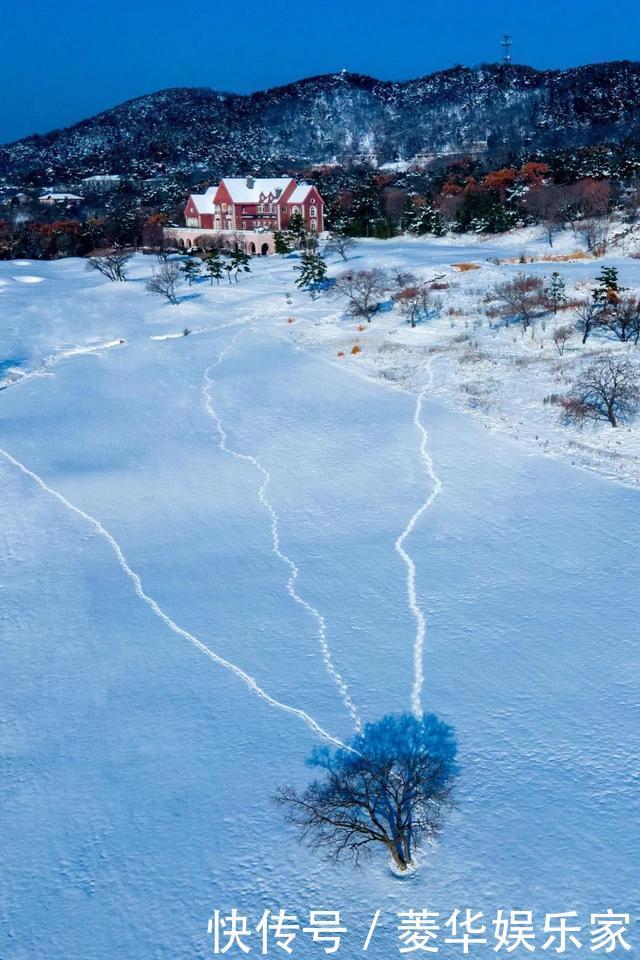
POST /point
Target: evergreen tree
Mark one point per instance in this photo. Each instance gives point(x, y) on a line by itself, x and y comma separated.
point(228, 265)
point(608, 290)
point(213, 266)
point(297, 230)
point(426, 219)
point(239, 263)
point(556, 291)
point(191, 270)
point(282, 243)
point(313, 270)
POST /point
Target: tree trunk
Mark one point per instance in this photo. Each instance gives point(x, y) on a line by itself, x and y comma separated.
point(397, 856)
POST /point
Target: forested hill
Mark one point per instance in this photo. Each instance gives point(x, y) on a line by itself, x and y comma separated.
point(515, 109)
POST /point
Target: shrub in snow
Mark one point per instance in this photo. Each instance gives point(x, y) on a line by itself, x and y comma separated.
point(561, 335)
point(391, 786)
point(113, 266)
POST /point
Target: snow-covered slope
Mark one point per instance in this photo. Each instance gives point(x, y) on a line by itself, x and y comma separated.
point(137, 768)
point(512, 107)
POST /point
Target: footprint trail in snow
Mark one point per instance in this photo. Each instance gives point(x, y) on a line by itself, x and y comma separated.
point(159, 612)
point(275, 533)
point(412, 598)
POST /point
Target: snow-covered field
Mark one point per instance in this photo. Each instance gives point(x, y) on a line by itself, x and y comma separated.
point(200, 582)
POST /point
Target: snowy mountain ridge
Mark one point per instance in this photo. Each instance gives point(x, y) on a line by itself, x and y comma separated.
point(504, 108)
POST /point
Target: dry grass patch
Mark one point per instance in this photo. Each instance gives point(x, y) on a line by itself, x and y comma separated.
point(463, 266)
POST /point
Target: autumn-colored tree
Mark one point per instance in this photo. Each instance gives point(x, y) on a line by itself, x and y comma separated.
point(394, 201)
point(593, 196)
point(382, 179)
point(500, 181)
point(451, 189)
point(534, 172)
point(447, 204)
point(547, 204)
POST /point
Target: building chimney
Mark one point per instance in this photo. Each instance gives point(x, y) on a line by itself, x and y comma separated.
point(250, 183)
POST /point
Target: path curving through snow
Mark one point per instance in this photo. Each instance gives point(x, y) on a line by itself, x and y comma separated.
point(412, 597)
point(48, 362)
point(294, 571)
point(159, 612)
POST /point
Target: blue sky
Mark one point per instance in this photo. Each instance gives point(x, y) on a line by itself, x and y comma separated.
point(63, 61)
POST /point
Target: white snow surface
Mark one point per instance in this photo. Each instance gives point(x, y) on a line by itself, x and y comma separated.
point(158, 675)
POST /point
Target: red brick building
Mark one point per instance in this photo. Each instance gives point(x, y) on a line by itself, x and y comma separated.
point(255, 204)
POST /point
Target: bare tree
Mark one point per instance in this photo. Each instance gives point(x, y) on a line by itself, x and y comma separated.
point(595, 231)
point(208, 242)
point(561, 336)
point(607, 389)
point(154, 237)
point(547, 203)
point(364, 291)
point(523, 298)
point(416, 303)
point(164, 282)
point(593, 201)
point(401, 278)
point(113, 265)
point(621, 318)
point(587, 199)
point(340, 243)
point(588, 318)
point(631, 199)
point(392, 788)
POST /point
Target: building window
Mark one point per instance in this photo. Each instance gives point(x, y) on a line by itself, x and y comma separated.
point(314, 224)
point(296, 210)
point(313, 211)
point(224, 208)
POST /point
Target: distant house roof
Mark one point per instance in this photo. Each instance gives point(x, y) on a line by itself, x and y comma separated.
point(204, 201)
point(59, 196)
point(248, 189)
point(300, 193)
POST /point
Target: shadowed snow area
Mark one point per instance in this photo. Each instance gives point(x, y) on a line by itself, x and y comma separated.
point(137, 771)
